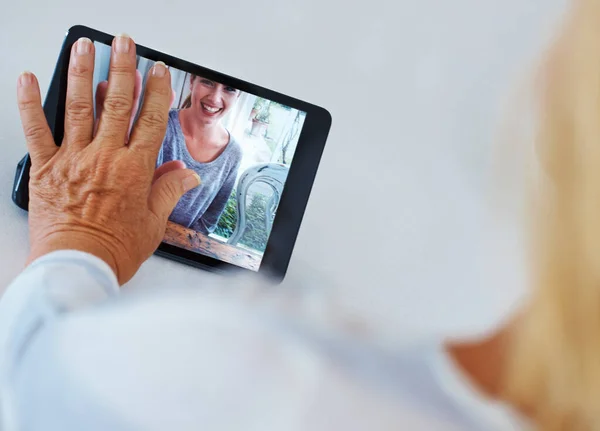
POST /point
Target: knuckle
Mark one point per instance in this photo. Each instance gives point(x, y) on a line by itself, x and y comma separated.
point(152, 119)
point(35, 131)
point(40, 175)
point(28, 104)
point(171, 190)
point(79, 70)
point(118, 106)
point(160, 89)
point(79, 110)
point(119, 68)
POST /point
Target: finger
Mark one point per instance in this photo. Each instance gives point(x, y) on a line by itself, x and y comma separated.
point(137, 92)
point(172, 98)
point(118, 104)
point(40, 142)
point(173, 165)
point(168, 189)
point(149, 131)
point(100, 97)
point(79, 108)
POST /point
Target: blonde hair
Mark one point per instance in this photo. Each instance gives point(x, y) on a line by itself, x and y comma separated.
point(554, 366)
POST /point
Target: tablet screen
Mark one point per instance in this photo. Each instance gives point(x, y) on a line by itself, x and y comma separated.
point(241, 145)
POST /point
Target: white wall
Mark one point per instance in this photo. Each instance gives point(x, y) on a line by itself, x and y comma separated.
point(414, 89)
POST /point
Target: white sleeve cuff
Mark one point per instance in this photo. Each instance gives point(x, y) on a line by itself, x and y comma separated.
point(53, 285)
point(96, 267)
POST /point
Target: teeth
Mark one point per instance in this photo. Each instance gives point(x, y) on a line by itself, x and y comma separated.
point(211, 109)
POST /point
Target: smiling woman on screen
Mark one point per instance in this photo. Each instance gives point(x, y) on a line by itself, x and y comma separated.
point(196, 137)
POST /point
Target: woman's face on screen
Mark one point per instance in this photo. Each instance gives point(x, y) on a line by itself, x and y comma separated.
point(211, 100)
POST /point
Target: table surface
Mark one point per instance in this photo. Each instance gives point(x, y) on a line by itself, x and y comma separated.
point(195, 241)
point(394, 221)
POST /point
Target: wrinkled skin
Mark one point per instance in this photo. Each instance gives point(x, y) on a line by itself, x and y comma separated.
point(99, 192)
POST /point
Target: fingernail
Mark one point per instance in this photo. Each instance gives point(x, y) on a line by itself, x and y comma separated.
point(25, 79)
point(191, 181)
point(159, 70)
point(122, 43)
point(83, 46)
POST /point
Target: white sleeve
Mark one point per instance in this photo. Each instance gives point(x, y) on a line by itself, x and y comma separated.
point(55, 284)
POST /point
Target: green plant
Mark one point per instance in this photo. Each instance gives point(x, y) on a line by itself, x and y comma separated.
point(262, 117)
point(259, 103)
point(263, 111)
point(255, 235)
point(228, 221)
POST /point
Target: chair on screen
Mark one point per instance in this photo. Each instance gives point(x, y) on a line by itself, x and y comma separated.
point(269, 175)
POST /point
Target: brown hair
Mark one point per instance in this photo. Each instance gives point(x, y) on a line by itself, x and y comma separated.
point(187, 102)
point(554, 370)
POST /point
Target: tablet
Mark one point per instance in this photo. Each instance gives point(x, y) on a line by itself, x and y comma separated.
point(247, 212)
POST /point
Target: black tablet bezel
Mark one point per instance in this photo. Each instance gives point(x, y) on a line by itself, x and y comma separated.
point(300, 179)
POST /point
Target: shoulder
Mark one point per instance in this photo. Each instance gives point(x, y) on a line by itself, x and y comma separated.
point(234, 150)
point(173, 128)
point(173, 116)
point(173, 122)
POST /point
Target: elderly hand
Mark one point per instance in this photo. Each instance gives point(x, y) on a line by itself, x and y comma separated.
point(137, 93)
point(95, 193)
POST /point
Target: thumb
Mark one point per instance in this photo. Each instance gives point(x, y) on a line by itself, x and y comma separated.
point(169, 188)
